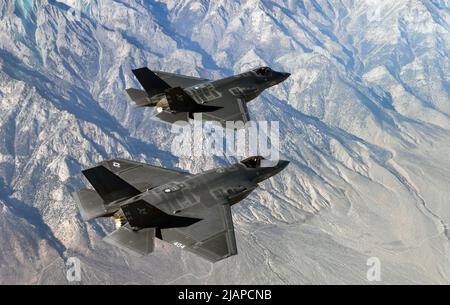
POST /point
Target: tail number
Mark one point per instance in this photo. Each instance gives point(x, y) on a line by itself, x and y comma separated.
point(178, 245)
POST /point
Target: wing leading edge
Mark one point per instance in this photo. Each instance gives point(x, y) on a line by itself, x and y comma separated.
point(178, 80)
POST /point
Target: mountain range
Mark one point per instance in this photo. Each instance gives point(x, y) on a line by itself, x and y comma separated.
point(364, 120)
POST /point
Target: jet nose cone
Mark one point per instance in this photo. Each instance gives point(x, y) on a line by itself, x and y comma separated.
point(285, 75)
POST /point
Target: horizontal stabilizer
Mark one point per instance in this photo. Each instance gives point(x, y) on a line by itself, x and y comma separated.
point(138, 243)
point(139, 97)
point(108, 185)
point(90, 204)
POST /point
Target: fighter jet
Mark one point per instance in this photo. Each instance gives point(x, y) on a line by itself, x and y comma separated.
point(192, 212)
point(178, 97)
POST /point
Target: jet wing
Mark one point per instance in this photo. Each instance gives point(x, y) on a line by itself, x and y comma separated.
point(142, 176)
point(177, 80)
point(211, 238)
point(233, 109)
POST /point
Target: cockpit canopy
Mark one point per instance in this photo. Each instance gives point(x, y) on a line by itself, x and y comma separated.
point(253, 162)
point(263, 71)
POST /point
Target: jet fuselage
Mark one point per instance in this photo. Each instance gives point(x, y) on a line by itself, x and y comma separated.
point(247, 85)
point(227, 185)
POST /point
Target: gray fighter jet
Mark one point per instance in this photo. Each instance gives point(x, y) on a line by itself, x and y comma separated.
point(178, 97)
point(193, 212)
